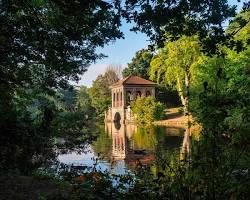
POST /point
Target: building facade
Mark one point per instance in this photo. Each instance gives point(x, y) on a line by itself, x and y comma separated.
point(123, 93)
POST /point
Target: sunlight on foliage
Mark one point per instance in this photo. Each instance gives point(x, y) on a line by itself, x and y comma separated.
point(147, 110)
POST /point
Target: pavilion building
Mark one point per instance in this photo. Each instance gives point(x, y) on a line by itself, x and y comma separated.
point(123, 93)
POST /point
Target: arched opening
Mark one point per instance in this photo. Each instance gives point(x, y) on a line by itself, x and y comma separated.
point(117, 99)
point(117, 117)
point(121, 98)
point(117, 125)
point(128, 98)
point(148, 93)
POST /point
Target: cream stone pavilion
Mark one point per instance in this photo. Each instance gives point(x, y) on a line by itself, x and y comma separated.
point(123, 93)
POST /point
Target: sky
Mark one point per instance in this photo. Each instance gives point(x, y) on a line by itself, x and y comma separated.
point(122, 51)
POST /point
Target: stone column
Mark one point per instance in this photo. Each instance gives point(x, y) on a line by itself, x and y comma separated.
point(117, 99)
point(133, 94)
point(153, 92)
point(123, 99)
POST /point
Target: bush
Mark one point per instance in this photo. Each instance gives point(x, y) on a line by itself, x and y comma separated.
point(147, 109)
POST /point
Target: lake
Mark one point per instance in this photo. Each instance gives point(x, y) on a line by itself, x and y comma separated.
point(122, 147)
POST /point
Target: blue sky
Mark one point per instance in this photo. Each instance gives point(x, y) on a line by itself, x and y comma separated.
point(122, 51)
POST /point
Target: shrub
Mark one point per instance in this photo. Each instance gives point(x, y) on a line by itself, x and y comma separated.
point(147, 109)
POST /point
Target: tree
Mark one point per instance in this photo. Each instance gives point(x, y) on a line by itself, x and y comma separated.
point(83, 98)
point(239, 28)
point(44, 44)
point(147, 109)
point(175, 65)
point(171, 19)
point(51, 42)
point(100, 93)
point(221, 106)
point(69, 98)
point(139, 65)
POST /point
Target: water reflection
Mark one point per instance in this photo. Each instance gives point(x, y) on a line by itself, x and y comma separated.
point(122, 147)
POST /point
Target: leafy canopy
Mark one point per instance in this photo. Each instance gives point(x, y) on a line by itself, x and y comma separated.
point(176, 58)
point(48, 42)
point(44, 45)
point(239, 28)
point(176, 65)
point(171, 19)
point(139, 65)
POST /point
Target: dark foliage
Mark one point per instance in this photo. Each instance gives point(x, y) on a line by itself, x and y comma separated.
point(168, 96)
point(170, 19)
point(44, 44)
point(51, 42)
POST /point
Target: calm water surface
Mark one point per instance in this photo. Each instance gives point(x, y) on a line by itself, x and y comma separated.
point(120, 148)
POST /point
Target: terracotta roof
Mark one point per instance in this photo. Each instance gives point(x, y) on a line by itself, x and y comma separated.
point(133, 80)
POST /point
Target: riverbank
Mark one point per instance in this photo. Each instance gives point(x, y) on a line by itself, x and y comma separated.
point(174, 117)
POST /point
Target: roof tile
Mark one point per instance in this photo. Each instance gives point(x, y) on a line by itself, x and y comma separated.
point(134, 80)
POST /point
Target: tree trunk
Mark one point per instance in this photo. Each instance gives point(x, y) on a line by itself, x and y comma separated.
point(181, 94)
point(184, 97)
point(187, 84)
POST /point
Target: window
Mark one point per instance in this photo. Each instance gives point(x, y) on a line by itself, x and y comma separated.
point(148, 93)
point(114, 100)
point(117, 98)
point(128, 98)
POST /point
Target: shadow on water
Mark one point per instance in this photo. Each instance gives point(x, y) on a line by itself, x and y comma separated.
point(124, 147)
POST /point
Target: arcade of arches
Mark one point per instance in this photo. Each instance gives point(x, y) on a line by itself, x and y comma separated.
point(123, 97)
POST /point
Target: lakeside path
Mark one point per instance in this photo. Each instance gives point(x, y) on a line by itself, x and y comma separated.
point(174, 117)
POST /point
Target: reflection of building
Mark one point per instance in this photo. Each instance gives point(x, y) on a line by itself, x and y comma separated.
point(121, 134)
point(123, 145)
point(125, 91)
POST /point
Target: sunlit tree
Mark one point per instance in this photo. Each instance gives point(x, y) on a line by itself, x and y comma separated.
point(175, 65)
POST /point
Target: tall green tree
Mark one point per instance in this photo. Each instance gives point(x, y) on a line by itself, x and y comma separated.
point(100, 93)
point(221, 105)
point(139, 66)
point(175, 65)
point(222, 108)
